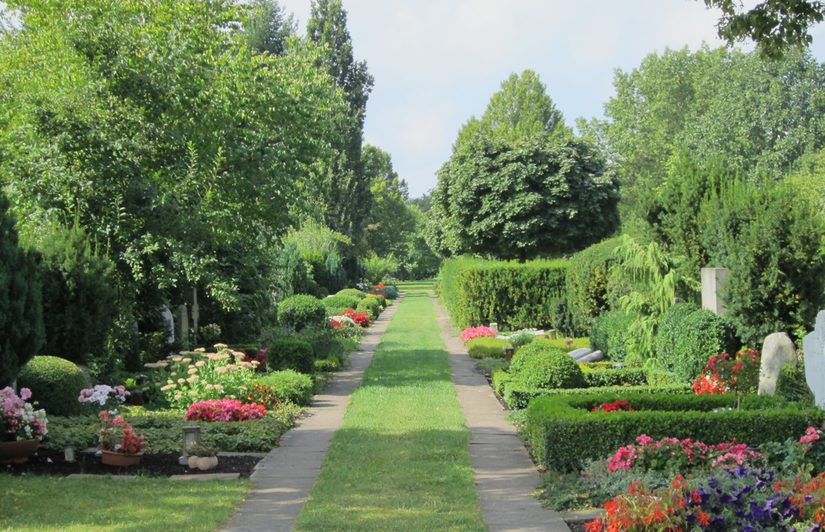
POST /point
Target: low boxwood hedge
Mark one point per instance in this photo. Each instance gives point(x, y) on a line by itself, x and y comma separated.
point(615, 377)
point(487, 347)
point(564, 433)
point(517, 396)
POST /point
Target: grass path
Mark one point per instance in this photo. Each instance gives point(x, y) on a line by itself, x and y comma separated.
point(400, 461)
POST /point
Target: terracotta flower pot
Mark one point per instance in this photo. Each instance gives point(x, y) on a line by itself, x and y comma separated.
point(17, 452)
point(120, 459)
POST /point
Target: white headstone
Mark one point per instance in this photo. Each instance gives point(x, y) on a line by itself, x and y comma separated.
point(712, 281)
point(777, 351)
point(814, 346)
point(168, 323)
point(595, 356)
point(578, 353)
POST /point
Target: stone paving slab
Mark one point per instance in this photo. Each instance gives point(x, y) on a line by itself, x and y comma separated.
point(506, 477)
point(283, 479)
point(207, 476)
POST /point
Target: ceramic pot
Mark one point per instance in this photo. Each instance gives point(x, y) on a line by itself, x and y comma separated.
point(112, 458)
point(17, 452)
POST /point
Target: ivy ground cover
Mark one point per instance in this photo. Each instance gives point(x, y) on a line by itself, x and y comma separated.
point(400, 461)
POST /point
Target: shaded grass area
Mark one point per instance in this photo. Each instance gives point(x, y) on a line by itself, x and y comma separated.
point(106, 503)
point(400, 460)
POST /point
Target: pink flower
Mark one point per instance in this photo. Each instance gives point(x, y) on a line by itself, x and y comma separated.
point(25, 394)
point(811, 435)
point(644, 439)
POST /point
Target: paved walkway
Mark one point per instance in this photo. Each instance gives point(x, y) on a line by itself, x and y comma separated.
point(505, 474)
point(282, 480)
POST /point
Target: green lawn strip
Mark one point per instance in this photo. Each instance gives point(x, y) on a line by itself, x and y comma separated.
point(106, 503)
point(400, 461)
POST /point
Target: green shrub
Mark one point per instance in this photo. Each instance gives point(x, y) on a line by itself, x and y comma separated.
point(667, 334)
point(381, 300)
point(300, 311)
point(517, 396)
point(352, 292)
point(589, 291)
point(562, 343)
point(336, 302)
point(660, 377)
point(390, 291)
point(21, 316)
point(488, 366)
point(551, 369)
point(564, 433)
point(500, 380)
point(535, 348)
point(609, 334)
point(370, 306)
point(326, 365)
point(699, 336)
point(325, 343)
point(487, 347)
point(289, 385)
point(55, 384)
point(792, 384)
point(615, 377)
point(291, 353)
point(515, 295)
point(80, 299)
point(523, 338)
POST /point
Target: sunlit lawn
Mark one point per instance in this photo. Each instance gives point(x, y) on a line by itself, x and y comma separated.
point(135, 504)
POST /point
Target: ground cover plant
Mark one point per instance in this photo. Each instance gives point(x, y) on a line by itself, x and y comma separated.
point(400, 460)
point(106, 503)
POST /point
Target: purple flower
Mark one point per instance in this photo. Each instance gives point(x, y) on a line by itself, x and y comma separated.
point(25, 394)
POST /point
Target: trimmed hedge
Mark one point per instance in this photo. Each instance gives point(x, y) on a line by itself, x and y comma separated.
point(289, 385)
point(518, 397)
point(487, 347)
point(500, 381)
point(291, 353)
point(488, 366)
point(588, 288)
point(667, 333)
point(336, 302)
point(55, 384)
point(352, 292)
point(564, 433)
point(369, 305)
point(699, 335)
point(614, 377)
point(515, 295)
point(301, 311)
point(552, 369)
point(609, 333)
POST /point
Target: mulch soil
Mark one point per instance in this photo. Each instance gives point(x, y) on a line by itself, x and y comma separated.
point(153, 465)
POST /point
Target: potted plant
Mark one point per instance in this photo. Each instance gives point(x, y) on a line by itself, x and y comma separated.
point(21, 426)
point(202, 457)
point(119, 444)
point(104, 396)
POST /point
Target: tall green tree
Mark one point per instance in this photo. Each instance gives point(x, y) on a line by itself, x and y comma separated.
point(21, 319)
point(269, 27)
point(389, 219)
point(348, 188)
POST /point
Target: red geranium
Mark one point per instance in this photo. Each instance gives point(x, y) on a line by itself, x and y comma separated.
point(615, 406)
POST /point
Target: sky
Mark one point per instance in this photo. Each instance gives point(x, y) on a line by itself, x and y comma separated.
point(437, 62)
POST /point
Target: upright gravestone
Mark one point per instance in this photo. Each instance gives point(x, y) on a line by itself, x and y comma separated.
point(814, 346)
point(182, 331)
point(168, 323)
point(777, 352)
point(713, 279)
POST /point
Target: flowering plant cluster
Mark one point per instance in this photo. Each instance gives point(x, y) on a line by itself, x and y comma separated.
point(18, 418)
point(736, 499)
point(103, 395)
point(672, 454)
point(263, 395)
point(615, 406)
point(259, 360)
point(725, 373)
point(197, 376)
point(224, 410)
point(476, 332)
point(118, 436)
point(350, 317)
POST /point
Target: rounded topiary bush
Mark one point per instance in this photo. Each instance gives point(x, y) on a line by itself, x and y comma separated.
point(291, 353)
point(553, 368)
point(699, 335)
point(370, 305)
point(300, 311)
point(352, 292)
point(289, 385)
point(340, 302)
point(55, 384)
point(524, 353)
point(609, 333)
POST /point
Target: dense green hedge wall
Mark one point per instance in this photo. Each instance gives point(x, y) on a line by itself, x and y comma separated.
point(514, 295)
point(609, 332)
point(589, 291)
point(697, 337)
point(615, 377)
point(564, 433)
point(517, 396)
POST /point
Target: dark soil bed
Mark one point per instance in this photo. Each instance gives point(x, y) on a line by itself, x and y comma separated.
point(154, 465)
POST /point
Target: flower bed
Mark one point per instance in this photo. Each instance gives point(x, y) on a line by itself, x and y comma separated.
point(564, 433)
point(476, 332)
point(224, 410)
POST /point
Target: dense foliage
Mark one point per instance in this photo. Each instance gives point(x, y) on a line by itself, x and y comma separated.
point(55, 384)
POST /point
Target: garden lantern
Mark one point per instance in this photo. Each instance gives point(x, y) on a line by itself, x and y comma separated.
point(68, 454)
point(508, 353)
point(191, 437)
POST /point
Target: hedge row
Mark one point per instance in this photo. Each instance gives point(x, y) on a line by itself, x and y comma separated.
point(564, 433)
point(514, 295)
point(518, 397)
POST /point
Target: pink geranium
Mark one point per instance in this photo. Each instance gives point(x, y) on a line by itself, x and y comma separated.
point(224, 410)
point(476, 332)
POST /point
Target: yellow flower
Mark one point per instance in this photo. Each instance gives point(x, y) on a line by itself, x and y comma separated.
point(181, 381)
